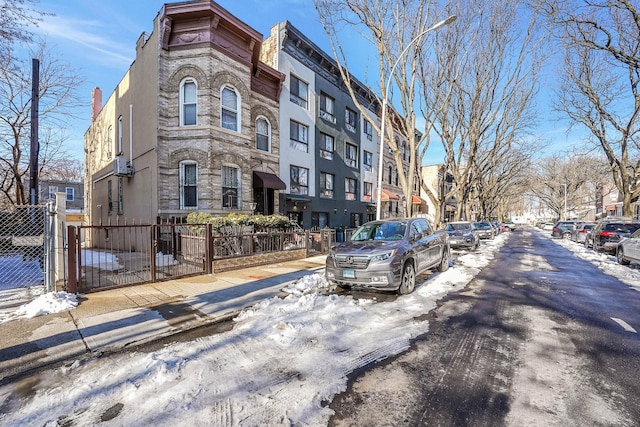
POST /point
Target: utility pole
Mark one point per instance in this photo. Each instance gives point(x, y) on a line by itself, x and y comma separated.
point(35, 143)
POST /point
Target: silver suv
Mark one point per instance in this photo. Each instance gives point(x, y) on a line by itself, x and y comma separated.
point(388, 255)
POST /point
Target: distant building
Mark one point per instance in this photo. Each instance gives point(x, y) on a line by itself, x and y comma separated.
point(74, 192)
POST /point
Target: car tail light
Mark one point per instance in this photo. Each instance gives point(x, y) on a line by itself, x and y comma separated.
point(555, 229)
point(584, 231)
point(607, 234)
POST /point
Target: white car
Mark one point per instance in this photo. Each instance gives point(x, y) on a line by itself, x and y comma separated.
point(629, 249)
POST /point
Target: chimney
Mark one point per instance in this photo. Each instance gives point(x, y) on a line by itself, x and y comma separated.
point(96, 102)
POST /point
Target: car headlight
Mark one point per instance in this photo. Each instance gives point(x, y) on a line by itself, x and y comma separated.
point(382, 256)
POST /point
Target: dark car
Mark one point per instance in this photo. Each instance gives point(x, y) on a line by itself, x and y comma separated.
point(629, 249)
point(462, 234)
point(563, 229)
point(608, 232)
point(388, 255)
point(485, 230)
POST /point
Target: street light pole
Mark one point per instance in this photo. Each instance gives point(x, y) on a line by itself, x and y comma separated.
point(384, 107)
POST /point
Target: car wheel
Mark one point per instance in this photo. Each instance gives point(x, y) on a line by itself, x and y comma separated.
point(444, 262)
point(620, 256)
point(566, 235)
point(408, 281)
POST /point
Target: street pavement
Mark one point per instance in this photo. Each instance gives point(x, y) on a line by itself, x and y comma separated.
point(115, 319)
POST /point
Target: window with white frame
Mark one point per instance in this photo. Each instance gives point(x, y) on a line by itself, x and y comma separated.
point(298, 135)
point(368, 191)
point(326, 146)
point(350, 119)
point(326, 107)
point(188, 102)
point(263, 134)
point(230, 187)
point(368, 129)
point(188, 185)
point(51, 194)
point(367, 161)
point(326, 185)
point(299, 92)
point(299, 180)
point(351, 155)
point(230, 109)
point(120, 130)
point(70, 194)
point(350, 188)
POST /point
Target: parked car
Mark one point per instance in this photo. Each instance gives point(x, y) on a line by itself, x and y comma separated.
point(485, 229)
point(563, 229)
point(580, 233)
point(509, 225)
point(608, 232)
point(498, 227)
point(462, 234)
point(629, 249)
point(387, 255)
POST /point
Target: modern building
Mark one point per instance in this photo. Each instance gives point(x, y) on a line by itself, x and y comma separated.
point(329, 148)
point(192, 126)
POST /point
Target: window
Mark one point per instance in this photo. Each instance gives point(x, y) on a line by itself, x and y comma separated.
point(299, 183)
point(350, 187)
point(120, 196)
point(351, 155)
point(390, 174)
point(326, 146)
point(397, 177)
point(350, 118)
point(326, 107)
point(119, 150)
point(109, 197)
point(263, 134)
point(188, 103)
point(70, 194)
point(368, 191)
point(51, 194)
point(368, 129)
point(299, 90)
point(326, 185)
point(368, 161)
point(229, 115)
point(230, 187)
point(299, 136)
point(188, 185)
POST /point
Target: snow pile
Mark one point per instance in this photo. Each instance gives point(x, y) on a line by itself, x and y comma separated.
point(52, 302)
point(163, 260)
point(101, 260)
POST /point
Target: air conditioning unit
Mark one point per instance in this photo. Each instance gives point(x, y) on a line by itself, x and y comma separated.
point(121, 166)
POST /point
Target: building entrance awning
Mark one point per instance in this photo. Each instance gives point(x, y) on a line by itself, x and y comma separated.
point(268, 180)
point(387, 196)
point(417, 200)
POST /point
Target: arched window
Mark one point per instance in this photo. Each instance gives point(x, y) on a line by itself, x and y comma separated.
point(390, 174)
point(263, 134)
point(230, 109)
point(188, 102)
point(188, 185)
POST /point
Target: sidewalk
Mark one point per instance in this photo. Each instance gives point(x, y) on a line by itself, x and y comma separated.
point(115, 319)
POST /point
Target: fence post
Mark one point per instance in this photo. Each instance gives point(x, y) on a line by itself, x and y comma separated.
point(72, 266)
point(152, 255)
point(307, 235)
point(208, 248)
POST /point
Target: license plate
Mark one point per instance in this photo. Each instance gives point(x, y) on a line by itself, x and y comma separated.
point(349, 274)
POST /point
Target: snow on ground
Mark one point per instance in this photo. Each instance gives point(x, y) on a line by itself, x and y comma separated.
point(281, 364)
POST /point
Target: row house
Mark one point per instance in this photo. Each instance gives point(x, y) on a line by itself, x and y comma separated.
point(192, 126)
point(329, 149)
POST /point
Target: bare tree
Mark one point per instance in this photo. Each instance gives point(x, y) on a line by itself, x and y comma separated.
point(600, 84)
point(15, 18)
point(483, 73)
point(398, 30)
point(58, 99)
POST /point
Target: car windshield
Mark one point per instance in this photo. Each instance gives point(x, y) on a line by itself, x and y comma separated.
point(482, 225)
point(458, 227)
point(621, 228)
point(381, 231)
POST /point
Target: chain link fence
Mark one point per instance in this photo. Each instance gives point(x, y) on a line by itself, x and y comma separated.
point(25, 236)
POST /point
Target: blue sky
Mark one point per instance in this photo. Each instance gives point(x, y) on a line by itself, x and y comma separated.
point(98, 38)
